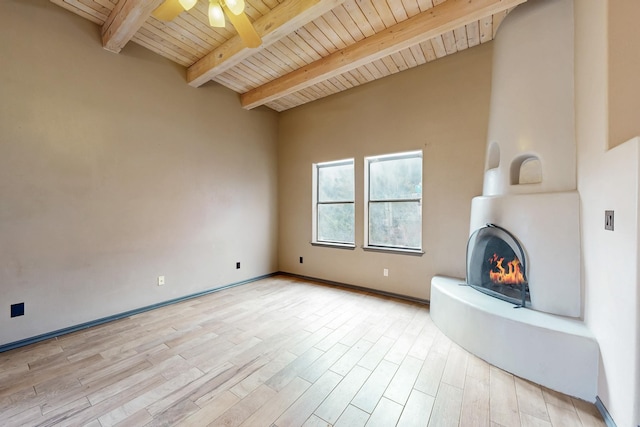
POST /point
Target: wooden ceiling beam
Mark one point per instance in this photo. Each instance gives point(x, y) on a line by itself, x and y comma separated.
point(284, 19)
point(433, 22)
point(125, 20)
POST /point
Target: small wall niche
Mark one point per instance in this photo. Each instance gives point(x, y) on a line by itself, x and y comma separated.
point(526, 169)
point(493, 156)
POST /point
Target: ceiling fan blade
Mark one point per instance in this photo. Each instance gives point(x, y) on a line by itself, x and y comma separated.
point(168, 10)
point(244, 28)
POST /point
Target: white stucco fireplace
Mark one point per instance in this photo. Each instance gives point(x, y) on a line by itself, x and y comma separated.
point(529, 192)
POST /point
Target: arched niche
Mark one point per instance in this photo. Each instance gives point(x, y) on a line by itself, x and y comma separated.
point(526, 169)
point(493, 156)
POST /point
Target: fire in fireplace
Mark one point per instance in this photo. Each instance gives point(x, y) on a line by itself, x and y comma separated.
point(496, 265)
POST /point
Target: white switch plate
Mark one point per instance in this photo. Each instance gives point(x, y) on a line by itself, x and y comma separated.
point(160, 280)
point(385, 272)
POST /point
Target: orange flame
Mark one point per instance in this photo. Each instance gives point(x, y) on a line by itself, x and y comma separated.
point(498, 274)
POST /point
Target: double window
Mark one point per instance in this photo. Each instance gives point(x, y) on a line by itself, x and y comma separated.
point(393, 202)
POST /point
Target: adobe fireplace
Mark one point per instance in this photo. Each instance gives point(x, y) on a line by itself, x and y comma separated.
point(529, 189)
point(496, 265)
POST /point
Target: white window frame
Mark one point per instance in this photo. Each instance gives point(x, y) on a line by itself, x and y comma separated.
point(367, 162)
point(315, 194)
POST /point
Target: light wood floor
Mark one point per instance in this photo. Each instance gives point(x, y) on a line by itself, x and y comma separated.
point(278, 352)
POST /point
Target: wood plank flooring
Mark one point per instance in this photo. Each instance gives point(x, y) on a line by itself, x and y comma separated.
point(278, 352)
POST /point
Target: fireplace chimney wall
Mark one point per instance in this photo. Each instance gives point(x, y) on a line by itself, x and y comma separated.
point(530, 173)
point(531, 138)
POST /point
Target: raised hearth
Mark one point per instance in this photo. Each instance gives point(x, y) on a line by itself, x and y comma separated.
point(557, 352)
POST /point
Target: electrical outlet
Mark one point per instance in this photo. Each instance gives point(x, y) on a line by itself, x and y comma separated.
point(301, 260)
point(17, 309)
point(385, 272)
point(237, 265)
point(160, 280)
point(608, 220)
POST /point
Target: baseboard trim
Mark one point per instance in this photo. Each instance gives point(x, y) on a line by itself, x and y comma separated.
point(70, 329)
point(356, 288)
point(605, 414)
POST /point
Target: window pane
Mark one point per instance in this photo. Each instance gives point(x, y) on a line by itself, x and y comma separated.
point(335, 222)
point(335, 183)
point(396, 224)
point(395, 179)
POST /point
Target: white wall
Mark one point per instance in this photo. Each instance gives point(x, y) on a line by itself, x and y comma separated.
point(607, 180)
point(114, 171)
point(441, 108)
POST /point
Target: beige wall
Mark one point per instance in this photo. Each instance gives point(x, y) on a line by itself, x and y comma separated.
point(607, 180)
point(114, 171)
point(441, 108)
point(624, 69)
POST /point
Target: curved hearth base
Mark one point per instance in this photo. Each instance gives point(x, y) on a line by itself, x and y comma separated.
point(554, 351)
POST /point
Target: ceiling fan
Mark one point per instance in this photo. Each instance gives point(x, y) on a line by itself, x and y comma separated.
point(233, 9)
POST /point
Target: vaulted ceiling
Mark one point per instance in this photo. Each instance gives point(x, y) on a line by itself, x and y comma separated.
point(311, 48)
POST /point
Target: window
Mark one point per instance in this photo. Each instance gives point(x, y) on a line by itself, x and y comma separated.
point(394, 201)
point(334, 211)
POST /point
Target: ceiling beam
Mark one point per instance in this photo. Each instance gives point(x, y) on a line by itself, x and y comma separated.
point(125, 20)
point(433, 22)
point(285, 18)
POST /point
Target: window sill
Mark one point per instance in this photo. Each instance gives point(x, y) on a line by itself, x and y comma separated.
point(415, 252)
point(334, 245)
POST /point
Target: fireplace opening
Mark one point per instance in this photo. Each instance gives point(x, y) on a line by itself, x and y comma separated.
point(496, 265)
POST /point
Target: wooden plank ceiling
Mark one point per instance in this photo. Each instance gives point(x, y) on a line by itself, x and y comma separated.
point(311, 48)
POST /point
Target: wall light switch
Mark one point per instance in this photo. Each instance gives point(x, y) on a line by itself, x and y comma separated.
point(608, 220)
point(160, 280)
point(385, 272)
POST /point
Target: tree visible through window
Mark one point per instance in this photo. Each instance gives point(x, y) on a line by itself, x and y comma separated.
point(394, 200)
point(334, 202)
